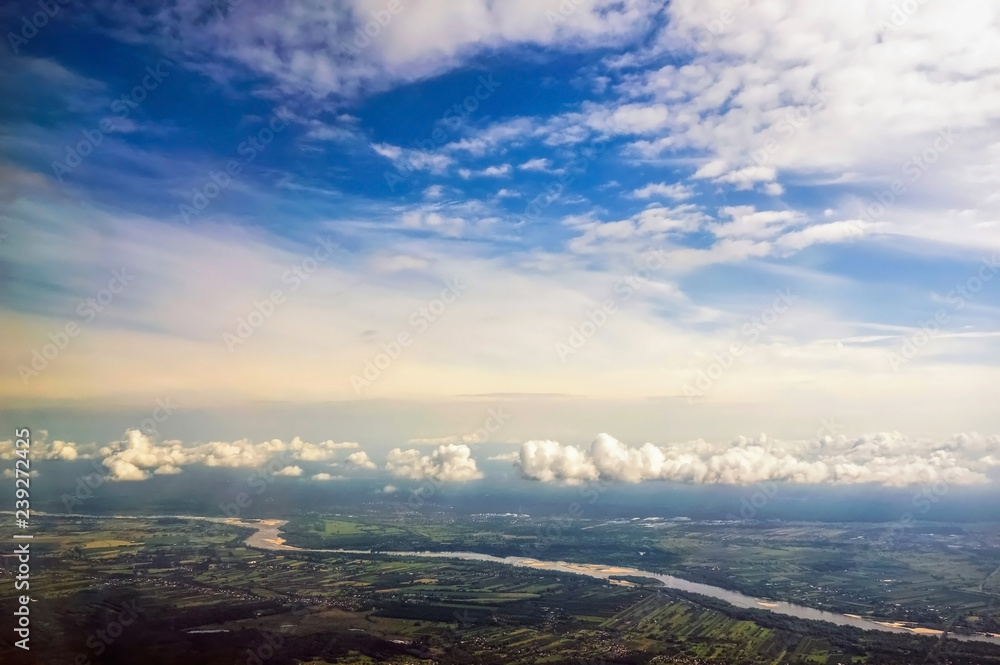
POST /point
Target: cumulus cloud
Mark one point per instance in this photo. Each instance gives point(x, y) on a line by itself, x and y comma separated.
point(889, 459)
point(63, 450)
point(449, 462)
point(137, 456)
point(119, 469)
point(361, 459)
point(290, 471)
point(43, 449)
point(319, 452)
point(550, 460)
point(496, 171)
point(390, 489)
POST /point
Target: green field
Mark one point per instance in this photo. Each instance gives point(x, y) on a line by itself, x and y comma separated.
point(326, 608)
point(927, 575)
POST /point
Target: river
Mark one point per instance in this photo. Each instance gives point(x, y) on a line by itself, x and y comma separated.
point(268, 537)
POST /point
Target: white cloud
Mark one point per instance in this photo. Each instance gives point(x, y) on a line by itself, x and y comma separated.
point(322, 477)
point(489, 172)
point(832, 232)
point(506, 457)
point(388, 151)
point(610, 120)
point(656, 221)
point(512, 132)
point(747, 222)
point(468, 437)
point(888, 459)
point(712, 169)
point(390, 489)
point(321, 49)
point(319, 452)
point(676, 191)
point(745, 177)
point(136, 455)
point(406, 159)
point(433, 221)
point(748, 233)
point(119, 469)
point(496, 171)
point(290, 471)
point(361, 459)
point(64, 451)
point(536, 164)
point(448, 463)
point(540, 165)
point(847, 94)
point(42, 448)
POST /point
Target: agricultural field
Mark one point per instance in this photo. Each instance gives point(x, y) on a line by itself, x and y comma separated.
point(196, 588)
point(929, 575)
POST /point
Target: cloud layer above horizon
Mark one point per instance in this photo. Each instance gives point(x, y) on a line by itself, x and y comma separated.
point(888, 459)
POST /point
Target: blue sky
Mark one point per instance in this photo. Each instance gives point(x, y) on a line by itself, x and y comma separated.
point(624, 189)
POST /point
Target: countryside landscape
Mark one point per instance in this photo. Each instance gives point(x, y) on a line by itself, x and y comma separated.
point(207, 586)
